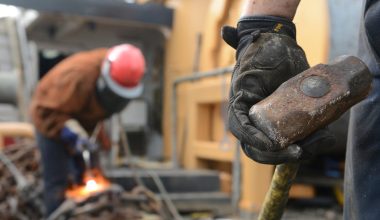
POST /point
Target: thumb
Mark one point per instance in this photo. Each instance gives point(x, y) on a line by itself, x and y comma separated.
point(229, 35)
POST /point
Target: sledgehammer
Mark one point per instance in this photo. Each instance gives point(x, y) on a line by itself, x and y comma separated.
point(302, 105)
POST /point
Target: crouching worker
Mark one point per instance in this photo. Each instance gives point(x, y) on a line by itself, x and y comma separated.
point(71, 99)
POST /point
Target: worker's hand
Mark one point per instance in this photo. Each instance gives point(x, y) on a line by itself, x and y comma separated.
point(267, 55)
point(319, 141)
point(74, 136)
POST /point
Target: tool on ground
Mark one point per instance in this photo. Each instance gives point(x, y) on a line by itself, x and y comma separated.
point(302, 105)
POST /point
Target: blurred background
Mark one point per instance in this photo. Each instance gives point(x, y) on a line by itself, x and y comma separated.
point(174, 139)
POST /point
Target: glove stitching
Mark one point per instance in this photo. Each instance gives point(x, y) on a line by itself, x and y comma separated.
point(242, 53)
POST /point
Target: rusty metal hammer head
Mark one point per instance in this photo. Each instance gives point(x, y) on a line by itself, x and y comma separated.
point(311, 100)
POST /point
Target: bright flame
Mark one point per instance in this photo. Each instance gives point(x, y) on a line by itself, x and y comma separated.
point(91, 185)
point(95, 182)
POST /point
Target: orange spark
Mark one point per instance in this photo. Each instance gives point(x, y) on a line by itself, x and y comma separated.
point(94, 182)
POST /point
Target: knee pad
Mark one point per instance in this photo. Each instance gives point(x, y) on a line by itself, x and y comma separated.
point(372, 25)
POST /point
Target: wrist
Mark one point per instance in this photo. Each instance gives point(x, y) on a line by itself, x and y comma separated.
point(265, 24)
point(283, 8)
point(249, 29)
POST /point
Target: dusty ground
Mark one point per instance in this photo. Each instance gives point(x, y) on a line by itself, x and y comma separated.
point(303, 214)
point(313, 214)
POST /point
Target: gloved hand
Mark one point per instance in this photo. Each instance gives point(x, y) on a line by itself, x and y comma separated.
point(267, 55)
point(76, 138)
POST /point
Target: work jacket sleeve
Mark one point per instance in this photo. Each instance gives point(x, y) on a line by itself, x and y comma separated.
point(68, 91)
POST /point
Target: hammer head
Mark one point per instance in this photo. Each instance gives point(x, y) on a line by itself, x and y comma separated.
point(311, 100)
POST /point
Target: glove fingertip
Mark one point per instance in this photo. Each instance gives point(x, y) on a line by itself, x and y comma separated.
point(290, 154)
point(294, 151)
point(229, 35)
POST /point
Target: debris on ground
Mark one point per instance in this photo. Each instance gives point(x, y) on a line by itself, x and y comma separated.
point(21, 190)
point(20, 182)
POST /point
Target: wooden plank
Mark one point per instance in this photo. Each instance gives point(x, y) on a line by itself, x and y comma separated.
point(190, 160)
point(225, 182)
point(179, 53)
point(16, 129)
point(226, 54)
point(313, 34)
point(217, 14)
point(204, 120)
point(181, 120)
point(256, 179)
point(212, 151)
point(302, 191)
point(203, 98)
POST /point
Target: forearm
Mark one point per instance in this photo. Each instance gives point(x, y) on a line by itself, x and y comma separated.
point(281, 8)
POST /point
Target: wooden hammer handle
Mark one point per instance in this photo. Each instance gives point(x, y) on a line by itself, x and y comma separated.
point(277, 196)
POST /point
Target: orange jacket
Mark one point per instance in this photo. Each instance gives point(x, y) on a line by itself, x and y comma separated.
point(68, 91)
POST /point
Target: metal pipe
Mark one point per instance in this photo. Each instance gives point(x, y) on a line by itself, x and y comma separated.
point(236, 180)
point(8, 88)
point(16, 129)
point(21, 181)
point(176, 82)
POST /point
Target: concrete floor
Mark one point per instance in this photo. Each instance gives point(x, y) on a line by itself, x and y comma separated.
point(313, 214)
point(300, 214)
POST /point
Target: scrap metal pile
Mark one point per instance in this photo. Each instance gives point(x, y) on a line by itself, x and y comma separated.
point(21, 193)
point(20, 182)
point(106, 204)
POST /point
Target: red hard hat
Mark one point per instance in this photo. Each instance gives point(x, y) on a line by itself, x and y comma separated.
point(126, 65)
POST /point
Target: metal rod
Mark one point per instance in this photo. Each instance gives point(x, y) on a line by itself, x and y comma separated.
point(197, 54)
point(176, 82)
point(236, 179)
point(277, 196)
point(16, 173)
point(165, 196)
point(201, 75)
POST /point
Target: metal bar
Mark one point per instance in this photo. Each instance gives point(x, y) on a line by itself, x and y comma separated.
point(18, 66)
point(67, 206)
point(20, 179)
point(165, 195)
point(153, 14)
point(176, 82)
point(201, 75)
point(26, 71)
point(8, 88)
point(236, 179)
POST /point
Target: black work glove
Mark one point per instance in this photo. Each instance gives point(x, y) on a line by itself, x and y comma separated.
point(267, 55)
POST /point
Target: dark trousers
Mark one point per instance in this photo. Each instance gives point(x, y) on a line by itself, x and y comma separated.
point(362, 173)
point(362, 176)
point(58, 167)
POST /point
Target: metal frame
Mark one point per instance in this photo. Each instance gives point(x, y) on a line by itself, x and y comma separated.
point(175, 164)
point(179, 80)
point(154, 14)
